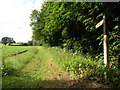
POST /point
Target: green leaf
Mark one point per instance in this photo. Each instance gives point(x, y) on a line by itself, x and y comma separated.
point(116, 27)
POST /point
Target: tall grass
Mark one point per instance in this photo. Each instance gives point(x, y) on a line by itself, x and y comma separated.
point(47, 58)
point(12, 64)
point(85, 66)
point(34, 73)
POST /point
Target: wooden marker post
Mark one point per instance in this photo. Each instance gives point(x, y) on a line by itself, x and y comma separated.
point(105, 43)
point(105, 47)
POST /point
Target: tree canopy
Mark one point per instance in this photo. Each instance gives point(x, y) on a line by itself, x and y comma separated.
point(7, 40)
point(71, 25)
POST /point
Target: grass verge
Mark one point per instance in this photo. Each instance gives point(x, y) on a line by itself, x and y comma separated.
point(13, 64)
point(81, 67)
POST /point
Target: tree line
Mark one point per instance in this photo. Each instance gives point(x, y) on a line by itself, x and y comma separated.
point(11, 42)
point(71, 25)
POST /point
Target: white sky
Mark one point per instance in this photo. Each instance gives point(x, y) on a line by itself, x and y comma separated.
point(15, 18)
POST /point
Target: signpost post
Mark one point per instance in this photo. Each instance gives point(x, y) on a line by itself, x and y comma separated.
point(105, 40)
point(105, 43)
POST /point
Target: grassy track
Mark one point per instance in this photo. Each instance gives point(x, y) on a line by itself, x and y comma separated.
point(41, 71)
point(38, 68)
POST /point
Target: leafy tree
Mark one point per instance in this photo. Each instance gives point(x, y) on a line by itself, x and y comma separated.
point(24, 44)
point(8, 40)
point(30, 43)
point(71, 25)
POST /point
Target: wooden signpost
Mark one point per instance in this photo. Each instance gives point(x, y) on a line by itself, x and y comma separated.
point(105, 44)
point(105, 40)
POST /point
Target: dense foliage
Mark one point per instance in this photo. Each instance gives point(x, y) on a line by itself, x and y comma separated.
point(71, 25)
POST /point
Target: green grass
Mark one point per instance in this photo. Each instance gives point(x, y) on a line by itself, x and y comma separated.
point(30, 69)
point(34, 74)
point(15, 63)
point(29, 75)
point(84, 66)
point(13, 77)
point(26, 70)
point(11, 50)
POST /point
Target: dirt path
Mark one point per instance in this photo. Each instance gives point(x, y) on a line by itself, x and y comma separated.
point(63, 80)
point(47, 73)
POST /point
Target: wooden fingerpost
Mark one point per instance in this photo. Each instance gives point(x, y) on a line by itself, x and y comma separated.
point(105, 46)
point(105, 43)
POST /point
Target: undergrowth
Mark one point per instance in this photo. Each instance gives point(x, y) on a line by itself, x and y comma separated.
point(85, 66)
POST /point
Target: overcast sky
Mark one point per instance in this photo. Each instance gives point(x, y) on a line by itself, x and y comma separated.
point(14, 18)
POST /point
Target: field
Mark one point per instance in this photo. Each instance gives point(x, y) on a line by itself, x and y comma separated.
point(12, 50)
point(52, 67)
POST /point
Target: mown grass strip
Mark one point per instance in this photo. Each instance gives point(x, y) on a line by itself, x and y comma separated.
point(33, 75)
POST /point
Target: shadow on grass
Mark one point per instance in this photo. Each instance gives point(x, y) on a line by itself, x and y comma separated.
point(17, 79)
point(27, 81)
